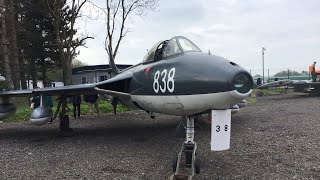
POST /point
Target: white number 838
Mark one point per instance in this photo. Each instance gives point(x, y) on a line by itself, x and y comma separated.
point(164, 84)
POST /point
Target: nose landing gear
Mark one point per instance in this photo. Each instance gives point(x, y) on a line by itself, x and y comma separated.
point(186, 159)
point(65, 129)
point(220, 140)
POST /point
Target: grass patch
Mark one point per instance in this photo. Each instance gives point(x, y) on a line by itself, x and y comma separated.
point(251, 100)
point(270, 92)
point(23, 108)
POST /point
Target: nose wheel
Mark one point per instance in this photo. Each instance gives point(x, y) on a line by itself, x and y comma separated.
point(65, 129)
point(220, 140)
point(186, 159)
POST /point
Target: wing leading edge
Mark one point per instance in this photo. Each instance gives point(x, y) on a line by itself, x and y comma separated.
point(276, 84)
point(114, 87)
point(288, 83)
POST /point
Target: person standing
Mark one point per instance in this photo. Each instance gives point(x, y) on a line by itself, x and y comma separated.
point(92, 100)
point(312, 69)
point(76, 101)
point(48, 102)
point(36, 102)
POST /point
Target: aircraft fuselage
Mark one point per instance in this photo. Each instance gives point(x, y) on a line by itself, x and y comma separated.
point(187, 84)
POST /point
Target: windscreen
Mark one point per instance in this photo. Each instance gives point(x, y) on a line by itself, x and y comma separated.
point(187, 45)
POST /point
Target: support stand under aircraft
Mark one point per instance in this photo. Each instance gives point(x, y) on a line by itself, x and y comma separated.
point(186, 160)
point(187, 155)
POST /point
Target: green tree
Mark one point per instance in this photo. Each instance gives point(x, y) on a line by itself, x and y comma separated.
point(12, 37)
point(77, 63)
point(304, 73)
point(36, 43)
point(4, 45)
point(286, 72)
point(64, 16)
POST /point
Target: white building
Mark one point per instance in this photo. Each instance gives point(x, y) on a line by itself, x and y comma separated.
point(40, 84)
point(93, 74)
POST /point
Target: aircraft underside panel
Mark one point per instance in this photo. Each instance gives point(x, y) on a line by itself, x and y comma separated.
point(185, 105)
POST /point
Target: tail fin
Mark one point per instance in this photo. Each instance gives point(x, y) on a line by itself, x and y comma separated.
point(113, 66)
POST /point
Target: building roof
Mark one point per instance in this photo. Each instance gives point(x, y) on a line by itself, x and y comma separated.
point(103, 67)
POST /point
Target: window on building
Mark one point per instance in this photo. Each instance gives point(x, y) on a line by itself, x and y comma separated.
point(84, 80)
point(103, 78)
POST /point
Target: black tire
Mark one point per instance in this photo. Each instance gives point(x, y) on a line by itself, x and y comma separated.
point(197, 166)
point(188, 157)
point(64, 123)
point(174, 163)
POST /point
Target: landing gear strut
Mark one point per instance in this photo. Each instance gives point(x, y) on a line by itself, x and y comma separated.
point(64, 124)
point(65, 129)
point(188, 153)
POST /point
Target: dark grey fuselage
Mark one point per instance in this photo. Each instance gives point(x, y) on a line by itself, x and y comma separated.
point(174, 78)
point(197, 76)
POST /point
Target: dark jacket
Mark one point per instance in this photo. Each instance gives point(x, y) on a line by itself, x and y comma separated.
point(91, 98)
point(48, 101)
point(36, 101)
point(76, 100)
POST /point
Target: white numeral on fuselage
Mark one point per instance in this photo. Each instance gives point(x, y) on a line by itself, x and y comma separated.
point(166, 84)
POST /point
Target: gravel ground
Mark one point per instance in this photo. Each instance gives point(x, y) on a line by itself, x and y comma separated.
point(275, 138)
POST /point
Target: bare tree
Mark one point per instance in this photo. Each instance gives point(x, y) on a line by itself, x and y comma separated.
point(65, 36)
point(4, 44)
point(117, 13)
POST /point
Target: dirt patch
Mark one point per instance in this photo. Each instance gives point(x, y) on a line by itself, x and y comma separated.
point(275, 138)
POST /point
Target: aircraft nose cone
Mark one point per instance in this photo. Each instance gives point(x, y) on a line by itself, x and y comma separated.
point(243, 82)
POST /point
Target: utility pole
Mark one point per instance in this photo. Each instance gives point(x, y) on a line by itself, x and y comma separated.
point(263, 50)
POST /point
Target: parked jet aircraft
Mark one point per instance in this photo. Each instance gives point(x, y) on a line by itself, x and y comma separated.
point(175, 78)
point(303, 86)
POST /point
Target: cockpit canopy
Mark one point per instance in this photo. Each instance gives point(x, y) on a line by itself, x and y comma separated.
point(169, 48)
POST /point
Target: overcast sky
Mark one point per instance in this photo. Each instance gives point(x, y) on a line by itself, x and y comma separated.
point(234, 29)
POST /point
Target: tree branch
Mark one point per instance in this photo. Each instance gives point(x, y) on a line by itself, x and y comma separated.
point(80, 6)
point(114, 16)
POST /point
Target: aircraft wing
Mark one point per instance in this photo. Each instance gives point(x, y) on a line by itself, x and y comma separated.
point(114, 87)
point(277, 84)
point(63, 90)
point(310, 82)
